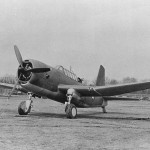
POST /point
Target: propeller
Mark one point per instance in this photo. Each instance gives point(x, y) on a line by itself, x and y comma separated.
point(13, 89)
point(35, 70)
point(38, 70)
point(18, 55)
point(20, 60)
point(24, 70)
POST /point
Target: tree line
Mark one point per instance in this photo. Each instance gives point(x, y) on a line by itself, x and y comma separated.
point(10, 79)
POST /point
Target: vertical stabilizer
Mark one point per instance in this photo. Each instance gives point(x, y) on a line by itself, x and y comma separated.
point(100, 81)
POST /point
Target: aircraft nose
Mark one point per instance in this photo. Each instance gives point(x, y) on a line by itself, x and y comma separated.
point(24, 71)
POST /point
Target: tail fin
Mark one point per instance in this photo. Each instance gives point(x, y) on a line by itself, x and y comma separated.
point(101, 77)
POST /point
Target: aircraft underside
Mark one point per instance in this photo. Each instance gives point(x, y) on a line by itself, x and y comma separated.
point(71, 100)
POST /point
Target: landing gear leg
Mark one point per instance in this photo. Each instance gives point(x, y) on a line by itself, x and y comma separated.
point(30, 98)
point(69, 97)
point(105, 103)
point(104, 109)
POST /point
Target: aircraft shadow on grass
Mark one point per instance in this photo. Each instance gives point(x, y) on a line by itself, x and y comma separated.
point(91, 116)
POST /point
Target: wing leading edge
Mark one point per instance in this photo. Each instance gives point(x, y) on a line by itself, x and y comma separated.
point(11, 86)
point(106, 90)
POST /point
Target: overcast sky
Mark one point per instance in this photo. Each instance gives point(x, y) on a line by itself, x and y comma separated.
point(78, 33)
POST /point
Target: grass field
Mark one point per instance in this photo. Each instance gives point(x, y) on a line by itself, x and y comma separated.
point(124, 127)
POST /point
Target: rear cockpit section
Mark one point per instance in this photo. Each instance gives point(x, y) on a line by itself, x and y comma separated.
point(24, 74)
point(68, 73)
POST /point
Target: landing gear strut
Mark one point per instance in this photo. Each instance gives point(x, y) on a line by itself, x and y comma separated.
point(104, 104)
point(104, 109)
point(25, 106)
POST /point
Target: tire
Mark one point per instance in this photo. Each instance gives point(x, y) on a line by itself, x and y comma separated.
point(22, 108)
point(71, 111)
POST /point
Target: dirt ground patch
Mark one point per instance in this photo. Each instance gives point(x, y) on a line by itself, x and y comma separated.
point(124, 127)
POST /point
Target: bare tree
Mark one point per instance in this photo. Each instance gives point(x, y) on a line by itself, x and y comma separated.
point(129, 80)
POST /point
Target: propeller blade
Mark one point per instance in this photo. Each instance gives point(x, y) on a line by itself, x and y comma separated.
point(38, 70)
point(18, 55)
point(13, 89)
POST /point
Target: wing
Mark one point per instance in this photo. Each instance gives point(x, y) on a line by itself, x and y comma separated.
point(10, 86)
point(105, 90)
point(6, 86)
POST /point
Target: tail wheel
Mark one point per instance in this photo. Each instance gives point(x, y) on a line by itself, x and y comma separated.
point(71, 111)
point(24, 108)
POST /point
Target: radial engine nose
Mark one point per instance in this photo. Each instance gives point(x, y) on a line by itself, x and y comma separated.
point(26, 69)
point(24, 73)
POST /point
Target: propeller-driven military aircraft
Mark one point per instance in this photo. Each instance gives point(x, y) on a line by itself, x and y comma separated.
point(62, 85)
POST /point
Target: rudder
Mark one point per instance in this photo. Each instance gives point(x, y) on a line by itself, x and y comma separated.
point(100, 81)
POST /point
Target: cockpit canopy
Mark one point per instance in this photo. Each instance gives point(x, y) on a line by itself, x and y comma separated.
point(68, 73)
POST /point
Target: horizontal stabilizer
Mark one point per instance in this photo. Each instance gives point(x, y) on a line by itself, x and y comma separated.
point(113, 98)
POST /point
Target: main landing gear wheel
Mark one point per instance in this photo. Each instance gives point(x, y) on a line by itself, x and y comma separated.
point(24, 107)
point(71, 111)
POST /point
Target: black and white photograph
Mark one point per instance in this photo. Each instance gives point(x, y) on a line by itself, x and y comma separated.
point(75, 75)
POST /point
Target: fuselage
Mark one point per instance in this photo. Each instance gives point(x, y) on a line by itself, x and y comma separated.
point(46, 84)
